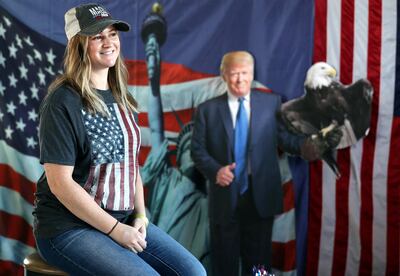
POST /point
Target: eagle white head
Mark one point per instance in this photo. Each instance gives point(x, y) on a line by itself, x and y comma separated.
point(319, 74)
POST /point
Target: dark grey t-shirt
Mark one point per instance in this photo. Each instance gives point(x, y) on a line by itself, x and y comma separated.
point(103, 151)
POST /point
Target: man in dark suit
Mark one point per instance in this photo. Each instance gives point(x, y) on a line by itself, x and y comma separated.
point(243, 196)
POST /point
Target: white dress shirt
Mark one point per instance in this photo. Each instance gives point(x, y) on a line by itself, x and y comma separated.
point(233, 103)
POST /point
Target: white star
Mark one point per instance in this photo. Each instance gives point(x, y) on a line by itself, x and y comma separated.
point(31, 142)
point(49, 70)
point(13, 50)
point(1, 115)
point(19, 41)
point(13, 80)
point(32, 115)
point(2, 31)
point(21, 125)
point(11, 108)
point(8, 22)
point(50, 56)
point(2, 89)
point(34, 91)
point(2, 60)
point(23, 71)
point(28, 41)
point(41, 77)
point(38, 55)
point(22, 98)
point(9, 132)
point(30, 59)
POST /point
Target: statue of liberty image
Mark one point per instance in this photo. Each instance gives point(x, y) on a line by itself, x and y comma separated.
point(176, 198)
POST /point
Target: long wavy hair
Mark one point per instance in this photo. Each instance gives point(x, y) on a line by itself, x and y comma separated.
point(77, 73)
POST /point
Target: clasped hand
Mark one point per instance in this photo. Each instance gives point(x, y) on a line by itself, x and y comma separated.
point(131, 237)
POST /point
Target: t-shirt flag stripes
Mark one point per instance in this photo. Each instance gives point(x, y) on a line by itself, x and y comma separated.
point(350, 219)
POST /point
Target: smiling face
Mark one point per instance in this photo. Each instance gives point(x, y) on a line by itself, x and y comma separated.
point(237, 70)
point(103, 49)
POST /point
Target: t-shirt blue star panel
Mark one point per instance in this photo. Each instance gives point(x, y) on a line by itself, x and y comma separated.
point(106, 137)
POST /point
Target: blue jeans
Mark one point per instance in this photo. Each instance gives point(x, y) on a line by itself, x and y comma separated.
point(86, 251)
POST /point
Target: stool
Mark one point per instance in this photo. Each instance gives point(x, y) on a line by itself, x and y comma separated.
point(34, 265)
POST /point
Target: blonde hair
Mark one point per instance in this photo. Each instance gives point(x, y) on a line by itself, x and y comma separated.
point(77, 71)
point(235, 57)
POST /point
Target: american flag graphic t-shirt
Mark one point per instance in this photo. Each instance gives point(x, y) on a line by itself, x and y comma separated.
point(114, 142)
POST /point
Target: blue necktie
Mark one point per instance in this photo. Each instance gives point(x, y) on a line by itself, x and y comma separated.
point(241, 130)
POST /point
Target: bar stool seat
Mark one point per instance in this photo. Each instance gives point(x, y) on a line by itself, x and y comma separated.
point(34, 265)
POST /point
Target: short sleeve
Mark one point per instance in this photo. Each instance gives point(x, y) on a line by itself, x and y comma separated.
point(57, 135)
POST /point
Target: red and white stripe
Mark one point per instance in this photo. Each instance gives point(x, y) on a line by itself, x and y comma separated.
point(349, 217)
point(18, 175)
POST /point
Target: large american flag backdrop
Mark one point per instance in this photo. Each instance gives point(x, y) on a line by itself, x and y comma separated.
point(354, 222)
point(348, 226)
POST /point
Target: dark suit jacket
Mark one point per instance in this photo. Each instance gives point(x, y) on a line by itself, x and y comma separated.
point(213, 147)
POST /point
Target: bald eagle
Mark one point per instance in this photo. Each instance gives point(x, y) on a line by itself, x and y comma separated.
point(328, 104)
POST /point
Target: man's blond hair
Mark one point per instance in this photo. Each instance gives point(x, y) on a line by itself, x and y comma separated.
point(235, 57)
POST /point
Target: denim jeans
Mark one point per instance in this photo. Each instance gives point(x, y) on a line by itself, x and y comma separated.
point(86, 251)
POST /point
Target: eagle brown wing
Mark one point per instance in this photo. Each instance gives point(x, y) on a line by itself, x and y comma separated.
point(359, 97)
point(299, 116)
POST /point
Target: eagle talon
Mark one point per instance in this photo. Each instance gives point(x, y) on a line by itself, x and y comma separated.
point(327, 129)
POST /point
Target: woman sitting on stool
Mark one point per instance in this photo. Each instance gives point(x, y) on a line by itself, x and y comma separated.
point(89, 209)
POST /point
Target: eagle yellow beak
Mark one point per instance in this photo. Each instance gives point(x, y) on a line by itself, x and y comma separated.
point(332, 72)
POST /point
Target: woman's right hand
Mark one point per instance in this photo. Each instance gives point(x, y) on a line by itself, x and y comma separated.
point(129, 237)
